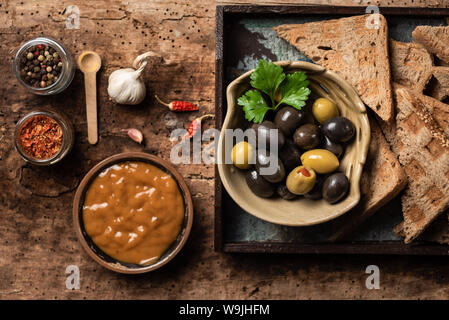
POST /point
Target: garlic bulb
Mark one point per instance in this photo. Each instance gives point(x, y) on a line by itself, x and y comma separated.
point(125, 86)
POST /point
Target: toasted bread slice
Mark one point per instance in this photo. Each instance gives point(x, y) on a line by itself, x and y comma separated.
point(423, 150)
point(410, 64)
point(438, 110)
point(439, 230)
point(382, 180)
point(438, 86)
point(434, 39)
point(349, 47)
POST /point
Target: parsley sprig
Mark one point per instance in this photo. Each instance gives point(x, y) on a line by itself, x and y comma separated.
point(269, 78)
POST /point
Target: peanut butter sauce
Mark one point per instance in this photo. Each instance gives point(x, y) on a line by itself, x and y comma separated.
point(133, 211)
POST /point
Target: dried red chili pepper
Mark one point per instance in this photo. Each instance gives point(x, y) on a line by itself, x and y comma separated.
point(179, 106)
point(41, 137)
point(195, 126)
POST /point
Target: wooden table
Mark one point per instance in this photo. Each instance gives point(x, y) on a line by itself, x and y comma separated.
point(37, 240)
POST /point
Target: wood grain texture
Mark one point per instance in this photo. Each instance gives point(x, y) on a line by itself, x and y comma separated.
point(389, 3)
point(37, 238)
point(90, 85)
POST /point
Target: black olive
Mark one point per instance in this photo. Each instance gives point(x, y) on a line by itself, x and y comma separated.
point(267, 162)
point(339, 129)
point(288, 119)
point(333, 147)
point(258, 185)
point(290, 155)
point(307, 136)
point(283, 192)
point(335, 187)
point(264, 132)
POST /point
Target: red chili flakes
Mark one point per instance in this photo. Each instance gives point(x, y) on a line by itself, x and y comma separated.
point(41, 137)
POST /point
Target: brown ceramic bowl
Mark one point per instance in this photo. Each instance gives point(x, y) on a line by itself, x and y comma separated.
point(301, 212)
point(96, 253)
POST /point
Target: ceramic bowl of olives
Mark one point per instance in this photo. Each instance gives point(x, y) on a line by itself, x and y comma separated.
point(308, 172)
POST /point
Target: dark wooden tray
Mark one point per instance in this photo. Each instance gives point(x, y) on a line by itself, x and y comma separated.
point(226, 18)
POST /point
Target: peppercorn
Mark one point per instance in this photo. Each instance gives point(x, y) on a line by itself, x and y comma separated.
point(40, 66)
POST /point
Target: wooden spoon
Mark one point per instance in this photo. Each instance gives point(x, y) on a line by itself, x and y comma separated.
point(89, 63)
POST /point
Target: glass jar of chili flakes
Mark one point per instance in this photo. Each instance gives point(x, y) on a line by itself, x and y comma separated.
point(44, 66)
point(44, 137)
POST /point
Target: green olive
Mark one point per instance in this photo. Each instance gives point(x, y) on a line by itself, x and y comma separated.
point(243, 155)
point(301, 180)
point(323, 109)
point(320, 160)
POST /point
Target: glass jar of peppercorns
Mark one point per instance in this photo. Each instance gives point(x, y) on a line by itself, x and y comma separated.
point(44, 66)
point(43, 137)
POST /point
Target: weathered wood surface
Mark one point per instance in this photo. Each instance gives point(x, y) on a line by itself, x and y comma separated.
point(37, 240)
point(392, 3)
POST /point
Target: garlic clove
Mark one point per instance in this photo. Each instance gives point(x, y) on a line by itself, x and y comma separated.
point(134, 134)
